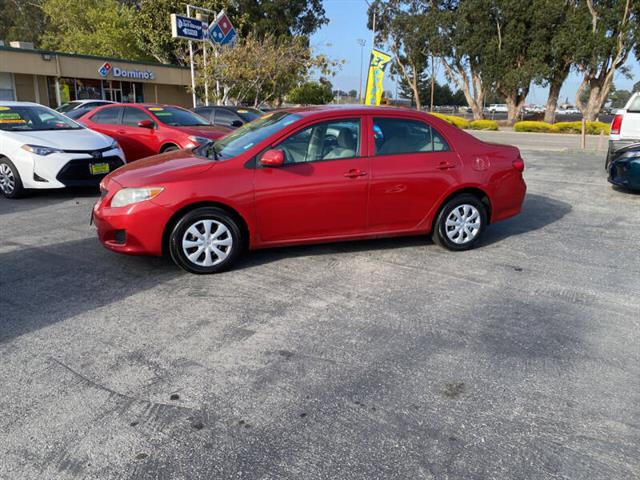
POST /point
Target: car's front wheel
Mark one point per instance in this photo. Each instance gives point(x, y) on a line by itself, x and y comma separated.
point(10, 182)
point(205, 240)
point(460, 223)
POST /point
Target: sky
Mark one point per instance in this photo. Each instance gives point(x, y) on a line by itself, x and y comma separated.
point(348, 23)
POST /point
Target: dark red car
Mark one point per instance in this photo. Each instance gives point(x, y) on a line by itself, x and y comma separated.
point(310, 175)
point(144, 129)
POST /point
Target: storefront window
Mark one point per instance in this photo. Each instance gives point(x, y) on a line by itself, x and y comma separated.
point(6, 87)
point(72, 89)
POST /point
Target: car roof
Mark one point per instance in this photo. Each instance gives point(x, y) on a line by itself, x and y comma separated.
point(349, 109)
point(20, 104)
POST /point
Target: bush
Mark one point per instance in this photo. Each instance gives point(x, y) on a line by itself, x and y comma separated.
point(593, 128)
point(531, 126)
point(483, 125)
point(453, 120)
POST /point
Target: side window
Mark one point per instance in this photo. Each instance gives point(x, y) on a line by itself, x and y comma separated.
point(132, 116)
point(323, 141)
point(205, 112)
point(108, 115)
point(397, 136)
point(225, 117)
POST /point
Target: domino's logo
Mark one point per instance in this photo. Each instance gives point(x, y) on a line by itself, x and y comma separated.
point(104, 69)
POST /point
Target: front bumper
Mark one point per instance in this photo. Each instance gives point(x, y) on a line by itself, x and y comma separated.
point(67, 169)
point(136, 229)
point(625, 173)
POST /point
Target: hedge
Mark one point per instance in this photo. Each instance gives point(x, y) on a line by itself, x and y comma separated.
point(483, 125)
point(453, 120)
point(593, 128)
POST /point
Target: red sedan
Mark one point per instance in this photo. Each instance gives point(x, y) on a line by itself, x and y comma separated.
point(309, 175)
point(143, 130)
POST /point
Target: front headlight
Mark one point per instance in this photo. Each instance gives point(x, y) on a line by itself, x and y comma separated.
point(40, 150)
point(200, 140)
point(127, 196)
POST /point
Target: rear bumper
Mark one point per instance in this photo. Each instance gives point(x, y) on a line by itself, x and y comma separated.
point(508, 197)
point(134, 230)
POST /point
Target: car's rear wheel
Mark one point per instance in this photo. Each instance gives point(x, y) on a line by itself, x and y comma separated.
point(10, 182)
point(205, 240)
point(169, 148)
point(460, 223)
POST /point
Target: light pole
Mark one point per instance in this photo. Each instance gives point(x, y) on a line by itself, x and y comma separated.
point(362, 42)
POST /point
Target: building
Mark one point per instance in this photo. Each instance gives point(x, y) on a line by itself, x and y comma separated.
point(53, 78)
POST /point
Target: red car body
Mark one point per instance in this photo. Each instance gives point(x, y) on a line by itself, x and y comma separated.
point(372, 195)
point(148, 132)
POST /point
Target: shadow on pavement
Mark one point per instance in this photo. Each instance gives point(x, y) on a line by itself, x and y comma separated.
point(43, 285)
point(44, 198)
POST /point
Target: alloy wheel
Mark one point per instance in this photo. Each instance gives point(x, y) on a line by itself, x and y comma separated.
point(207, 243)
point(463, 224)
point(7, 180)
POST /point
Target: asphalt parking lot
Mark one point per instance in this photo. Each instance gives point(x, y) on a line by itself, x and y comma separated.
point(380, 359)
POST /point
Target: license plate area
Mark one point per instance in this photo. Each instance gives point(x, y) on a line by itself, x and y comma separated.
point(98, 168)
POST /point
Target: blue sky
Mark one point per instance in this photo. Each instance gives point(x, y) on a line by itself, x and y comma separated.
point(348, 23)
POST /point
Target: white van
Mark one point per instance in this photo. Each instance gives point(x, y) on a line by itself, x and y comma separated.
point(625, 127)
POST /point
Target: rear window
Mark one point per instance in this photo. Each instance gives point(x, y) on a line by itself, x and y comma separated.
point(634, 106)
point(177, 117)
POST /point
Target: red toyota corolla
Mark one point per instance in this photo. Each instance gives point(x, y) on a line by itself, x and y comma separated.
point(310, 175)
point(144, 129)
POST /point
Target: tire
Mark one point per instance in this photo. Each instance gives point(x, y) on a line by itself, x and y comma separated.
point(222, 250)
point(169, 148)
point(465, 210)
point(10, 181)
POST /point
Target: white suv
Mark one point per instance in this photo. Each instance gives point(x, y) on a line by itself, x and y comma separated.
point(625, 127)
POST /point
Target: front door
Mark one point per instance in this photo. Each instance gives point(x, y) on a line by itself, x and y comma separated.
point(321, 190)
point(138, 142)
point(412, 167)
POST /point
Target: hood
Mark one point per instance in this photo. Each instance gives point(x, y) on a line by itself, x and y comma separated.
point(83, 139)
point(208, 131)
point(159, 169)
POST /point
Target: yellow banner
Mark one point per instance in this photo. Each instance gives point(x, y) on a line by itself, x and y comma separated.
point(377, 66)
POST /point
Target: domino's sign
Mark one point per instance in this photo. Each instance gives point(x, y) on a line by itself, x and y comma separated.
point(221, 31)
point(106, 68)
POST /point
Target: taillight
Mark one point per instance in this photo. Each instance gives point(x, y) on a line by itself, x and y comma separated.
point(616, 124)
point(518, 164)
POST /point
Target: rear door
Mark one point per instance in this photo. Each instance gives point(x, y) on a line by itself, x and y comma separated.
point(321, 190)
point(108, 121)
point(412, 167)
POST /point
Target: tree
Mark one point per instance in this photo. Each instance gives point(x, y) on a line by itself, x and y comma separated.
point(20, 20)
point(442, 94)
point(267, 17)
point(258, 70)
point(353, 93)
point(312, 93)
point(404, 25)
point(609, 33)
point(618, 98)
point(91, 27)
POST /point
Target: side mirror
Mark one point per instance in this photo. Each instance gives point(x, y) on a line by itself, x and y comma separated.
point(236, 123)
point(272, 158)
point(146, 124)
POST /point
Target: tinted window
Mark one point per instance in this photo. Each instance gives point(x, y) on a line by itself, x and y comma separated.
point(204, 112)
point(132, 116)
point(323, 141)
point(395, 135)
point(108, 115)
point(225, 117)
point(248, 114)
point(634, 106)
point(177, 117)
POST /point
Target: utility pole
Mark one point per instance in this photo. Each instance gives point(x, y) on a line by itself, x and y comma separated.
point(362, 42)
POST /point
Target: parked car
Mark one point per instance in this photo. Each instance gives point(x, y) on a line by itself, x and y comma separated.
point(69, 107)
point(498, 108)
point(624, 167)
point(148, 129)
point(625, 128)
point(230, 117)
point(308, 175)
point(41, 148)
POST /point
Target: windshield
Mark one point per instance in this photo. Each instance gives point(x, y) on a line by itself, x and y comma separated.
point(249, 114)
point(31, 118)
point(65, 107)
point(248, 135)
point(177, 117)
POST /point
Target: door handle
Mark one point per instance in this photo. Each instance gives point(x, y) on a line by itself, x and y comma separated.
point(354, 173)
point(446, 165)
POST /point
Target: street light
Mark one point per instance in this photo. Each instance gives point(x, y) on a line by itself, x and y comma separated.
point(362, 42)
